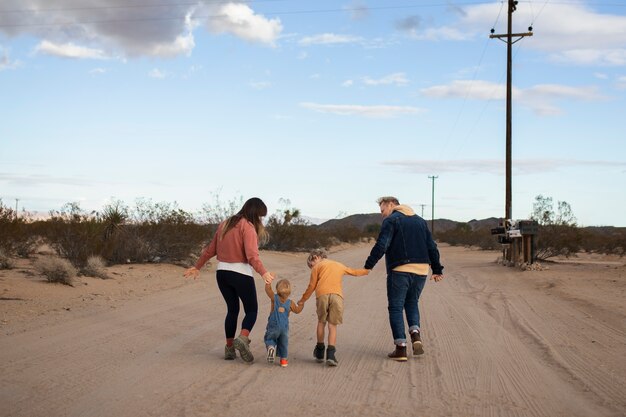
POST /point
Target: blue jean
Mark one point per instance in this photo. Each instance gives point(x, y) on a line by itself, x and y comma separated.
point(403, 293)
point(279, 337)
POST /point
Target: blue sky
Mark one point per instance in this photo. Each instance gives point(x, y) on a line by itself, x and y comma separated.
point(327, 104)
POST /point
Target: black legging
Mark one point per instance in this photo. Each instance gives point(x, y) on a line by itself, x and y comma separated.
point(235, 286)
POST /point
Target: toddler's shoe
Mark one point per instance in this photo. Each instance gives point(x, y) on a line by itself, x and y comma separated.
point(399, 354)
point(271, 354)
point(416, 340)
point(230, 353)
point(318, 352)
point(283, 362)
point(330, 356)
point(242, 344)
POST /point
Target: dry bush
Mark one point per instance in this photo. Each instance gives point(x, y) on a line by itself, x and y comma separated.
point(56, 270)
point(5, 261)
point(16, 237)
point(95, 267)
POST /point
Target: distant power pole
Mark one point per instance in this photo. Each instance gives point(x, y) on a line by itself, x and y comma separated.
point(16, 200)
point(509, 73)
point(432, 218)
point(423, 205)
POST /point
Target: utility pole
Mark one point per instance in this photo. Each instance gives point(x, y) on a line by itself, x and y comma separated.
point(432, 218)
point(16, 200)
point(509, 73)
point(423, 205)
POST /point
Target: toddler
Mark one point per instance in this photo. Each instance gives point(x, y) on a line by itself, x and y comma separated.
point(277, 332)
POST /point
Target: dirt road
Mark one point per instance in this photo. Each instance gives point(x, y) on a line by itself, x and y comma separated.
point(498, 342)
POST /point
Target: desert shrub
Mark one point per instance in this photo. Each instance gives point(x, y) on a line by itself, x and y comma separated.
point(95, 267)
point(56, 270)
point(349, 234)
point(554, 240)
point(163, 231)
point(295, 237)
point(16, 237)
point(74, 234)
point(464, 235)
point(5, 261)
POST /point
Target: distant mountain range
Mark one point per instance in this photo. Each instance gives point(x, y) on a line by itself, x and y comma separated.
point(362, 221)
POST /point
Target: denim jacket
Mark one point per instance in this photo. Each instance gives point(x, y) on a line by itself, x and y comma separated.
point(405, 240)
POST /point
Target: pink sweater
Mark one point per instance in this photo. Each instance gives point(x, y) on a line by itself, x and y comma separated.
point(240, 244)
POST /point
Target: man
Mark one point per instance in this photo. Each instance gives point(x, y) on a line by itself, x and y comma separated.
point(409, 250)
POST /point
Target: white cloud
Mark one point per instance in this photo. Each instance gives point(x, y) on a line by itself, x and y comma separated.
point(441, 34)
point(358, 10)
point(118, 29)
point(303, 55)
point(347, 83)
point(601, 76)
point(157, 73)
point(241, 21)
point(182, 45)
point(5, 61)
point(260, 85)
point(621, 83)
point(602, 57)
point(98, 71)
point(381, 111)
point(540, 98)
point(329, 39)
point(496, 166)
point(479, 90)
point(398, 78)
point(571, 33)
point(69, 50)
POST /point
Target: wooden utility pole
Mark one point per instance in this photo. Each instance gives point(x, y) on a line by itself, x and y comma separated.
point(432, 218)
point(509, 75)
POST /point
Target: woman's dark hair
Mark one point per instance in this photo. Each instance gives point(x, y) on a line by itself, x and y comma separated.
point(253, 210)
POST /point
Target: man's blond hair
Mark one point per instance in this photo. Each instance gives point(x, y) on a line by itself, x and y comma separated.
point(388, 199)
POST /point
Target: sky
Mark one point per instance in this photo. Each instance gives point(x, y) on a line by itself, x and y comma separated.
point(318, 105)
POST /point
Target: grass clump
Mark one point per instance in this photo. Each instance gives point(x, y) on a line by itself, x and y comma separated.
point(56, 270)
point(95, 267)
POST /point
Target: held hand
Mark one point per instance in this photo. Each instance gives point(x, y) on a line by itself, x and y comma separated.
point(268, 277)
point(191, 272)
point(436, 277)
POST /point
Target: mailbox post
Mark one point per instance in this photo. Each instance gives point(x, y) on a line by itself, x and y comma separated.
point(517, 239)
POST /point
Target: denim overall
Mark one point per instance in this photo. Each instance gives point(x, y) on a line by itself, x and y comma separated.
point(277, 332)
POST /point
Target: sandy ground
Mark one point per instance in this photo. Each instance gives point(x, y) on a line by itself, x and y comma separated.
point(498, 342)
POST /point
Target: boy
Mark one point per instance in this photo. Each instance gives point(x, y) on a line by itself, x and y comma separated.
point(326, 276)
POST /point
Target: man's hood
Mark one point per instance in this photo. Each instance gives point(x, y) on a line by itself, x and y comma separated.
point(404, 209)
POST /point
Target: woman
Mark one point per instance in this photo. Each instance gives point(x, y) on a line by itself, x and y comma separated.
point(236, 244)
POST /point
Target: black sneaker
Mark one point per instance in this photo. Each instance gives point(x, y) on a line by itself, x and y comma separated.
point(318, 352)
point(330, 356)
point(399, 354)
point(416, 340)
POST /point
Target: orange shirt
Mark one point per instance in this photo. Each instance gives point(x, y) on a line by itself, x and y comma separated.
point(326, 278)
point(240, 244)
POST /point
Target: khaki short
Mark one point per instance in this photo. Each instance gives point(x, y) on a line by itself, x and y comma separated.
point(329, 308)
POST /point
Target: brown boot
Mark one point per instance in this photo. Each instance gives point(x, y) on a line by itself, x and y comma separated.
point(416, 340)
point(399, 354)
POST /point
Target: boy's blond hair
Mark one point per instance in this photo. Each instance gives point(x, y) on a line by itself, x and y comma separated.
point(283, 288)
point(388, 199)
point(316, 253)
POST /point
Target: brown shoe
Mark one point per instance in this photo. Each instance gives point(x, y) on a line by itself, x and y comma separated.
point(399, 354)
point(416, 340)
